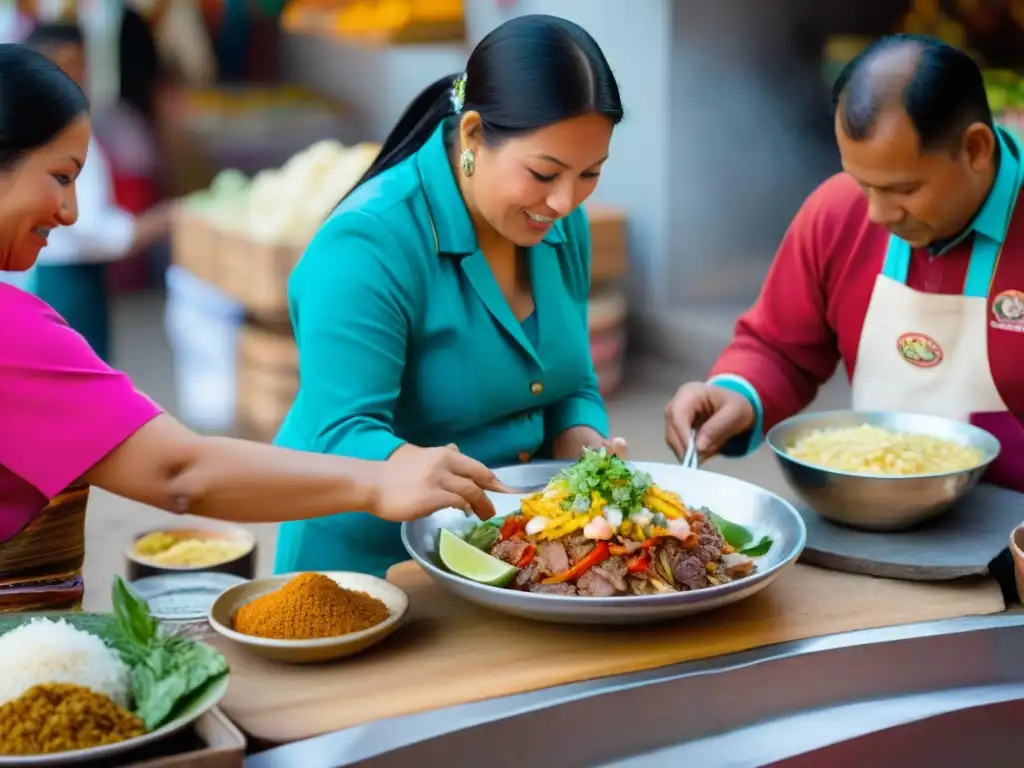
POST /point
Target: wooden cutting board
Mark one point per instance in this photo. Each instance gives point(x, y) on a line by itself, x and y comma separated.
point(451, 652)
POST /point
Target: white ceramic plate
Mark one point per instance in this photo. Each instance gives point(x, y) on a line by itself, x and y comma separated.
point(90, 622)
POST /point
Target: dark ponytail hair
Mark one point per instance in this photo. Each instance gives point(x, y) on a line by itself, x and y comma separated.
point(37, 102)
point(528, 73)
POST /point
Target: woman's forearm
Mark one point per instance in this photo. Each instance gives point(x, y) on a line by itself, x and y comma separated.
point(249, 482)
point(166, 465)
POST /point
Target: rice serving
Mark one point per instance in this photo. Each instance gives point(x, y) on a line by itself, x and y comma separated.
point(44, 651)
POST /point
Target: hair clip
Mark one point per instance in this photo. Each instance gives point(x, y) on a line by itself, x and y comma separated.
point(458, 93)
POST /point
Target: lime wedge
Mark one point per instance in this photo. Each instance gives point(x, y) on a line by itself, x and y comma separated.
point(469, 562)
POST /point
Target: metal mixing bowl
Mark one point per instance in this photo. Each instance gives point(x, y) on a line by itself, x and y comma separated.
point(879, 502)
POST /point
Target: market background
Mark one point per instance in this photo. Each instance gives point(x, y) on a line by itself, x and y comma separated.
point(271, 111)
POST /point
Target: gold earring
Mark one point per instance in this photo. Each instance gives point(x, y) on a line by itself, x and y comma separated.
point(467, 161)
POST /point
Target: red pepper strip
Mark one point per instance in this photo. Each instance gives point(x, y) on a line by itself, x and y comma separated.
point(511, 527)
point(595, 556)
point(527, 557)
point(638, 564)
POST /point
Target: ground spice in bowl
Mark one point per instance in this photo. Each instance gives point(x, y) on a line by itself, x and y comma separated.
point(309, 606)
point(60, 717)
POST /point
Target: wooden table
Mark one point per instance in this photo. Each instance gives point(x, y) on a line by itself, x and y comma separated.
point(451, 652)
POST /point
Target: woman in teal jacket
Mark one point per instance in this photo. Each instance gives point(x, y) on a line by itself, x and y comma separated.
point(445, 300)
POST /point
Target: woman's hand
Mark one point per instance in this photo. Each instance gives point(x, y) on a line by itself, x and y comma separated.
point(570, 444)
point(166, 465)
point(416, 482)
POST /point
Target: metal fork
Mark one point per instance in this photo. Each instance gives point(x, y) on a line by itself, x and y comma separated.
point(691, 458)
point(526, 489)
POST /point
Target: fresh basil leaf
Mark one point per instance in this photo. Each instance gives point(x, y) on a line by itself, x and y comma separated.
point(759, 549)
point(173, 671)
point(734, 534)
point(165, 670)
point(189, 701)
point(739, 537)
point(133, 627)
point(132, 613)
point(483, 537)
point(155, 693)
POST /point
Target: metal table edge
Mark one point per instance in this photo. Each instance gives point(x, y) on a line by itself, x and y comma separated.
point(409, 729)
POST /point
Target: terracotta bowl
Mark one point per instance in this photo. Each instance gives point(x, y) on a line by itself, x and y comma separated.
point(244, 565)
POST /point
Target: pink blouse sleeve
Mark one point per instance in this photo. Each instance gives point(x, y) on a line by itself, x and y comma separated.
point(62, 409)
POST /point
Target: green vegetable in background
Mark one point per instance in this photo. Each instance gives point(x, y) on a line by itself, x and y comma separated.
point(483, 536)
point(738, 537)
point(763, 545)
point(166, 671)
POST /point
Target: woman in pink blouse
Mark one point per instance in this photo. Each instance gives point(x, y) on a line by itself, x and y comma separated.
point(66, 418)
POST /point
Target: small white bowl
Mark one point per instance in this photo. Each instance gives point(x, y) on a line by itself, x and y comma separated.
point(309, 651)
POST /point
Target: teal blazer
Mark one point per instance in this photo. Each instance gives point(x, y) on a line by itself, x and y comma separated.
point(404, 336)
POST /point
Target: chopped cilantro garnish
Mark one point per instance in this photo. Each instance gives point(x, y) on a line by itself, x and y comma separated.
point(609, 476)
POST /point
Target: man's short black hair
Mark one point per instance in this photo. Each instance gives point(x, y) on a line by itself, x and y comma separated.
point(943, 93)
point(55, 33)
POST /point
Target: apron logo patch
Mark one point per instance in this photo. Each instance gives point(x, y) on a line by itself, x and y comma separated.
point(1008, 311)
point(919, 350)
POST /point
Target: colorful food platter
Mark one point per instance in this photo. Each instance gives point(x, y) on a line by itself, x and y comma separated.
point(606, 542)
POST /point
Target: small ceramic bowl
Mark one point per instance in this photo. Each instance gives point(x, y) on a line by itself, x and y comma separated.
point(244, 565)
point(1017, 550)
point(309, 651)
point(181, 601)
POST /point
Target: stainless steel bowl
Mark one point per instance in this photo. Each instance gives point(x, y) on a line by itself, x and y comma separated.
point(762, 512)
point(873, 502)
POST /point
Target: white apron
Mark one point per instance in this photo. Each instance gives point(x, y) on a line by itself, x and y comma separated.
point(928, 353)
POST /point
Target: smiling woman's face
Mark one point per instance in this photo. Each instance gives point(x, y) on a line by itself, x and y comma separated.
point(38, 195)
point(523, 185)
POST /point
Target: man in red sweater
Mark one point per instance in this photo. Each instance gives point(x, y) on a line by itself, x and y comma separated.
point(908, 267)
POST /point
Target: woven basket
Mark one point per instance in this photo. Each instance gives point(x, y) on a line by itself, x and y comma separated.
point(53, 541)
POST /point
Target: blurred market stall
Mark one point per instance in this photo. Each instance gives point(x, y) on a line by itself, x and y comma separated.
point(242, 236)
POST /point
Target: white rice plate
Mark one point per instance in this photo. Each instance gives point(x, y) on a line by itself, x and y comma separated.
point(45, 651)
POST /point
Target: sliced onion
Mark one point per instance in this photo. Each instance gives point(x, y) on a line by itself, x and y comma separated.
point(614, 517)
point(536, 525)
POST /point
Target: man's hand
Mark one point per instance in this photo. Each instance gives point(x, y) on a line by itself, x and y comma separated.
point(717, 413)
